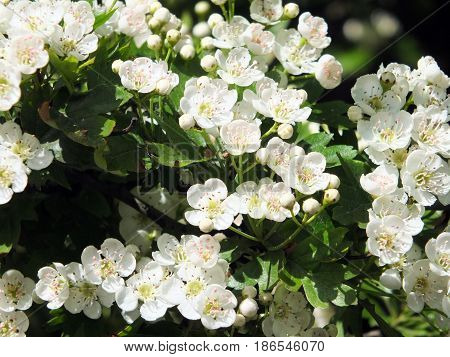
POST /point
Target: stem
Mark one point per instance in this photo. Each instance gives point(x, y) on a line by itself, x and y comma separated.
point(250, 168)
point(270, 131)
point(225, 13)
point(295, 218)
point(245, 235)
point(240, 173)
point(169, 52)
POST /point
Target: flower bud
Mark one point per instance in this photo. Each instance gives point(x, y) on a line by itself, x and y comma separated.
point(328, 72)
point(311, 206)
point(265, 298)
point(154, 6)
point(187, 52)
point(287, 200)
point(206, 225)
point(186, 121)
point(214, 19)
point(163, 86)
point(334, 181)
point(202, 8)
point(219, 2)
point(207, 43)
point(354, 113)
point(262, 155)
point(387, 80)
point(219, 237)
point(201, 30)
point(163, 15)
point(291, 10)
point(331, 196)
point(154, 42)
point(116, 65)
point(209, 63)
point(391, 279)
point(240, 321)
point(285, 131)
point(249, 291)
point(248, 307)
point(154, 24)
point(173, 36)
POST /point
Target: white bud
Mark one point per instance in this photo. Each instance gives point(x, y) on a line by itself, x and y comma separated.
point(187, 52)
point(335, 182)
point(265, 298)
point(331, 196)
point(154, 42)
point(285, 131)
point(154, 24)
point(201, 30)
point(291, 10)
point(184, 29)
point(186, 121)
point(206, 225)
point(388, 79)
point(219, 237)
point(202, 8)
point(163, 86)
point(262, 155)
point(391, 279)
point(219, 2)
point(249, 291)
point(240, 321)
point(214, 19)
point(287, 200)
point(163, 15)
point(173, 36)
point(154, 6)
point(311, 206)
point(116, 65)
point(354, 113)
point(248, 307)
point(207, 43)
point(208, 63)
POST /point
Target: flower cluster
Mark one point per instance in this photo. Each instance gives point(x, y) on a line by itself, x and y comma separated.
point(402, 119)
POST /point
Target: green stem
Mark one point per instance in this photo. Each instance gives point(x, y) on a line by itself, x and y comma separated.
point(225, 13)
point(240, 173)
point(270, 131)
point(250, 168)
point(295, 219)
point(245, 235)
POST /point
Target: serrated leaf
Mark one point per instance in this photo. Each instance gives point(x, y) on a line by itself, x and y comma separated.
point(169, 156)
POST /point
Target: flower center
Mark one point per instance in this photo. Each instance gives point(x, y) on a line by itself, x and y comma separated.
point(8, 328)
point(421, 285)
point(206, 109)
point(375, 103)
point(87, 290)
point(180, 255)
point(6, 177)
point(387, 135)
point(306, 175)
point(444, 261)
point(146, 291)
point(22, 150)
point(386, 241)
point(194, 288)
point(68, 45)
point(107, 268)
point(58, 284)
point(4, 86)
point(214, 208)
point(212, 308)
point(14, 292)
point(27, 56)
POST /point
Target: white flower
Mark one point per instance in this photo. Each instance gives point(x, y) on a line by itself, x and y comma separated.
point(202, 251)
point(210, 103)
point(13, 175)
point(258, 41)
point(431, 130)
point(133, 23)
point(369, 95)
point(171, 251)
point(9, 85)
point(80, 12)
point(382, 181)
point(423, 286)
point(109, 265)
point(388, 239)
point(147, 289)
point(26, 53)
point(229, 35)
point(387, 130)
point(306, 173)
point(13, 324)
point(428, 72)
point(314, 29)
point(438, 252)
point(402, 75)
point(25, 146)
point(85, 296)
point(216, 307)
point(236, 68)
point(266, 11)
point(295, 53)
point(53, 285)
point(271, 194)
point(283, 105)
point(250, 201)
point(15, 291)
point(288, 315)
point(396, 204)
point(279, 155)
point(240, 136)
point(210, 201)
point(424, 176)
point(72, 41)
point(329, 72)
point(244, 110)
point(394, 158)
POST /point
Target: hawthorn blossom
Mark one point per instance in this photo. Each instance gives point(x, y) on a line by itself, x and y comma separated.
point(13, 175)
point(73, 41)
point(271, 193)
point(216, 307)
point(388, 239)
point(438, 252)
point(211, 202)
point(387, 130)
point(314, 29)
point(395, 158)
point(240, 136)
point(81, 13)
point(53, 285)
point(15, 291)
point(258, 41)
point(132, 22)
point(382, 181)
point(27, 147)
point(171, 251)
point(230, 34)
point(109, 265)
point(425, 176)
point(9, 85)
point(266, 11)
point(13, 324)
point(251, 202)
point(236, 68)
point(26, 53)
point(202, 251)
point(328, 72)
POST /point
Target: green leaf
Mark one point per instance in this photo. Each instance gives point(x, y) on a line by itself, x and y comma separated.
point(318, 140)
point(123, 153)
point(169, 156)
point(102, 18)
point(330, 153)
point(332, 113)
point(233, 248)
point(67, 68)
point(312, 294)
point(387, 329)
